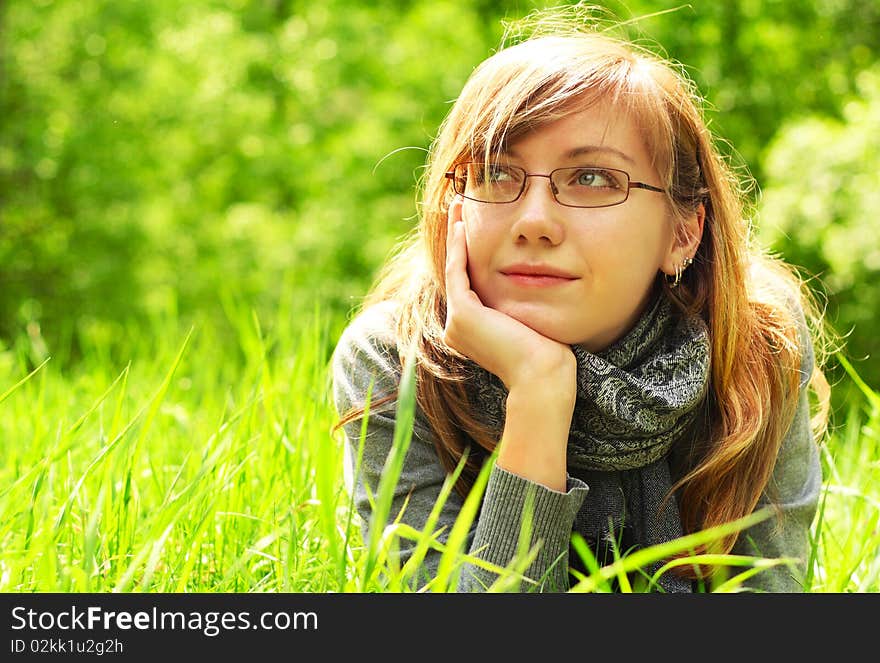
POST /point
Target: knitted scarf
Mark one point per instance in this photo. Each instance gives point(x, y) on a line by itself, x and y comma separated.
point(635, 399)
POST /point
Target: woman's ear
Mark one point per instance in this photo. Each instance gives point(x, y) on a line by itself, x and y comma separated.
point(685, 240)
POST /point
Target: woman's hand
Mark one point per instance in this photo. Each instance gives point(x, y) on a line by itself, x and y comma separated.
point(538, 372)
point(502, 345)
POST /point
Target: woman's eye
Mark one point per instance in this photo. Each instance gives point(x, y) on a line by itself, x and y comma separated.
point(499, 174)
point(595, 178)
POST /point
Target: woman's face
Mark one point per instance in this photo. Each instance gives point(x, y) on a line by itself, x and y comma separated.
point(576, 275)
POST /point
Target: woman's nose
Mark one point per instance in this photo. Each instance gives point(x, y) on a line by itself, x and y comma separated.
point(537, 214)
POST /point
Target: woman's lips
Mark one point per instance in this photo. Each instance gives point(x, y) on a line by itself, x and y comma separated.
point(537, 280)
point(536, 276)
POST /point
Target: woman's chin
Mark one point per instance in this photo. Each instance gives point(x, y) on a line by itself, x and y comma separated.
point(546, 324)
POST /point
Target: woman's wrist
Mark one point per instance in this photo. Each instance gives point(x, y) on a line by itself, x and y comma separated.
point(545, 374)
point(536, 428)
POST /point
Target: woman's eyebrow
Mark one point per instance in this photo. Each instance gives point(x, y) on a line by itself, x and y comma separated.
point(580, 151)
point(591, 149)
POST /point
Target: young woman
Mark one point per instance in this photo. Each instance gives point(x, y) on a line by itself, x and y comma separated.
point(583, 296)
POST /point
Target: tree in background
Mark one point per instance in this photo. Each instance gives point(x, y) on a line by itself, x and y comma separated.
point(158, 159)
point(821, 207)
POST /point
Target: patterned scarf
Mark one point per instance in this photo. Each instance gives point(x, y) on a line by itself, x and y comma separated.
point(635, 399)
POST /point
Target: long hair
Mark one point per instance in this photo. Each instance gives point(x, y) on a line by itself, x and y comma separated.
point(751, 301)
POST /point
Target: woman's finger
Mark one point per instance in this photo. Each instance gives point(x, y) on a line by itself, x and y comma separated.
point(453, 214)
point(457, 281)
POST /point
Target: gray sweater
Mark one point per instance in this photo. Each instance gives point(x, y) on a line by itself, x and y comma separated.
point(367, 352)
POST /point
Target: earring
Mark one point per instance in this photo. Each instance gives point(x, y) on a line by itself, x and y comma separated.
point(679, 270)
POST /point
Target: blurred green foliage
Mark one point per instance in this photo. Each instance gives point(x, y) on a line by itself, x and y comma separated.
point(164, 159)
point(820, 208)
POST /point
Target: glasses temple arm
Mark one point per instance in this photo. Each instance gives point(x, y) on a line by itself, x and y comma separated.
point(649, 187)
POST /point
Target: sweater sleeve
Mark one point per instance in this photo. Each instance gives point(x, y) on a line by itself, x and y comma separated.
point(366, 355)
point(794, 490)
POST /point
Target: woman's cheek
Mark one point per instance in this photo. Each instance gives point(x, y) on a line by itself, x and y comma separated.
point(479, 239)
point(476, 253)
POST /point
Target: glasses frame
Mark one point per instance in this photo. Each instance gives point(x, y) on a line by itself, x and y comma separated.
point(450, 175)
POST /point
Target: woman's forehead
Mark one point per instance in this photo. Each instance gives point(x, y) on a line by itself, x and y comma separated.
point(601, 128)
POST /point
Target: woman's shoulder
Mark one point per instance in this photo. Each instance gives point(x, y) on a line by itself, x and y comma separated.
point(367, 346)
point(774, 284)
point(805, 341)
point(372, 327)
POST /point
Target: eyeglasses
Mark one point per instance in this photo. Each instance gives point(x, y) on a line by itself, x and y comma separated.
point(580, 186)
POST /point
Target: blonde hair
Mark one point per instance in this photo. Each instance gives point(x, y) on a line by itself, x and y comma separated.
point(750, 300)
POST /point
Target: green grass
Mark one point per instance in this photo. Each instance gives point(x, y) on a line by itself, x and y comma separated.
point(199, 460)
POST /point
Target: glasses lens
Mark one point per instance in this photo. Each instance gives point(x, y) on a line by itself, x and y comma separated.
point(590, 187)
point(489, 182)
